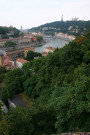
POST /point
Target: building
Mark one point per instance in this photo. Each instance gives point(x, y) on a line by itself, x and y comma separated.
point(15, 54)
point(49, 49)
point(28, 49)
point(23, 40)
point(35, 39)
point(44, 53)
point(20, 62)
point(19, 40)
point(8, 63)
point(2, 56)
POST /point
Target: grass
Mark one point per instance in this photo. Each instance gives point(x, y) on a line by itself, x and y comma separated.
point(26, 99)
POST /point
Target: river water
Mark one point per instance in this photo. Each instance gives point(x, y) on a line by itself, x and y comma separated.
point(52, 42)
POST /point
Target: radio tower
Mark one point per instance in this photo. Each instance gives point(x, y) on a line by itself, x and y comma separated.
point(62, 18)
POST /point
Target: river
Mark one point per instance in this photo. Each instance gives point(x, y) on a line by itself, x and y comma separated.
point(52, 42)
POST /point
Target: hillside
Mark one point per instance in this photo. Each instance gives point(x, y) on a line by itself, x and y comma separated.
point(71, 27)
point(6, 32)
point(59, 86)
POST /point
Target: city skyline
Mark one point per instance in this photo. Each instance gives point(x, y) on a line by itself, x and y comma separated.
point(31, 13)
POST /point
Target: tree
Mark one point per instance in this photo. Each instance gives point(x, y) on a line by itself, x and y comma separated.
point(39, 38)
point(13, 82)
point(10, 44)
point(31, 55)
point(2, 69)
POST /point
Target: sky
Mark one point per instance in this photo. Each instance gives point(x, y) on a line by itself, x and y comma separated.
point(32, 13)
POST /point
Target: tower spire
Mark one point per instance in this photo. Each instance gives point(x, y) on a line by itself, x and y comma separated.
point(62, 18)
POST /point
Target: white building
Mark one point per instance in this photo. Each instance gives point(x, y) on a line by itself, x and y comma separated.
point(20, 62)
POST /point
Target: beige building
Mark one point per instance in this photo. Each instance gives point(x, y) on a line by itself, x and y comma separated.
point(20, 40)
point(1, 60)
point(49, 49)
point(23, 40)
point(44, 53)
point(2, 56)
point(28, 49)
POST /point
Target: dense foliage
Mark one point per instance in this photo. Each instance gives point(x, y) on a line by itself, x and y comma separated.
point(59, 85)
point(6, 32)
point(31, 55)
point(70, 27)
point(39, 38)
point(10, 44)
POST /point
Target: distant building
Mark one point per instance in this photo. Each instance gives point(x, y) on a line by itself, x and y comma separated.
point(49, 49)
point(21, 28)
point(35, 39)
point(44, 53)
point(28, 49)
point(75, 19)
point(20, 62)
point(19, 40)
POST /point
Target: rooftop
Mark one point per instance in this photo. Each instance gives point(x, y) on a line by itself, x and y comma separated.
point(22, 60)
point(50, 48)
point(7, 62)
point(30, 48)
point(17, 51)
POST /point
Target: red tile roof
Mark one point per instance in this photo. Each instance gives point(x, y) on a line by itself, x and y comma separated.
point(50, 48)
point(17, 51)
point(7, 62)
point(30, 48)
point(1, 40)
point(22, 60)
point(19, 38)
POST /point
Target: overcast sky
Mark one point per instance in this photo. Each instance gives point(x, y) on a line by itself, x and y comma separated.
point(31, 13)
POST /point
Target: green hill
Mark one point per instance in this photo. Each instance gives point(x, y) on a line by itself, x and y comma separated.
point(71, 27)
point(6, 32)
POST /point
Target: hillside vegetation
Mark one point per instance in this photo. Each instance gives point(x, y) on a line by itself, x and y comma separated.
point(6, 32)
point(71, 27)
point(59, 85)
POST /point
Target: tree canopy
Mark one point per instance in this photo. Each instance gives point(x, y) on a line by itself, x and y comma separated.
point(59, 86)
point(10, 44)
point(31, 55)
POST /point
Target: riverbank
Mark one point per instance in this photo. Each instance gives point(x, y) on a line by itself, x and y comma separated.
point(18, 47)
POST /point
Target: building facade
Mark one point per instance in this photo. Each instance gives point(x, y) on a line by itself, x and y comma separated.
point(20, 62)
point(28, 49)
point(49, 49)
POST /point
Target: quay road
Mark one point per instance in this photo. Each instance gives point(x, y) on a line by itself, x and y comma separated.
point(56, 37)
